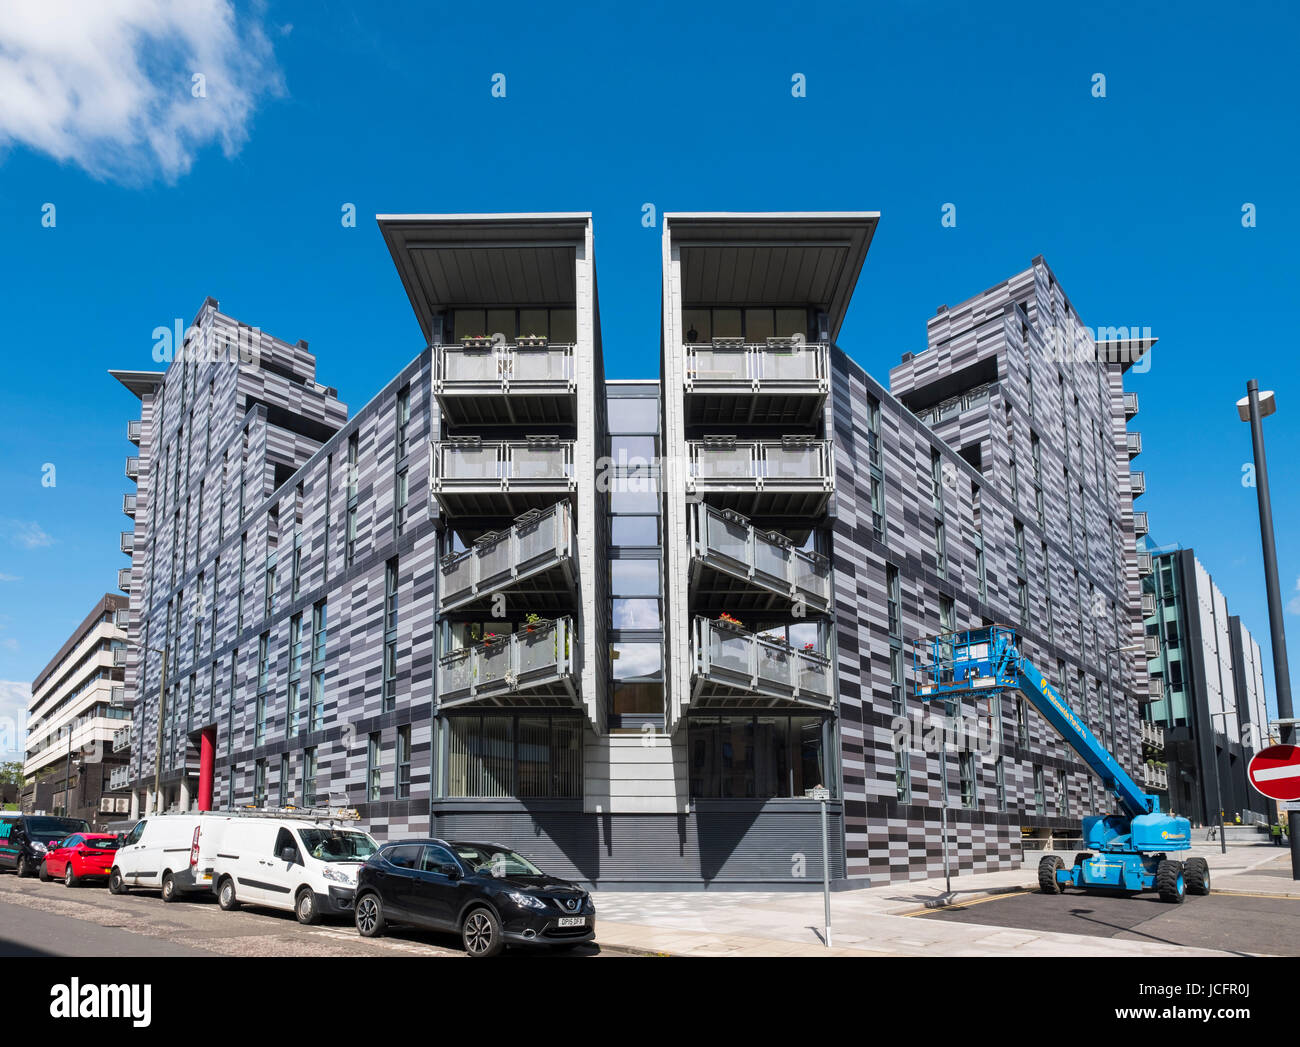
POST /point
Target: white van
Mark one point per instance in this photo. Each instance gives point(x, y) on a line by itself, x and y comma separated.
point(308, 868)
point(174, 853)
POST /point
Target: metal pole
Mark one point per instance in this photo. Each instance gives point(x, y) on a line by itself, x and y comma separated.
point(158, 745)
point(1277, 630)
point(67, 774)
point(947, 878)
point(826, 874)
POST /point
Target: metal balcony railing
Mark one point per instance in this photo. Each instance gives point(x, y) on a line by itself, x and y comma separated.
point(1130, 405)
point(133, 467)
point(119, 778)
point(955, 405)
point(470, 462)
point(503, 367)
point(1133, 442)
point(1148, 604)
point(745, 665)
point(727, 541)
point(786, 363)
point(122, 617)
point(134, 427)
point(1146, 563)
point(122, 739)
point(128, 505)
point(128, 542)
point(1153, 736)
point(117, 696)
point(119, 657)
point(538, 541)
point(1151, 646)
point(124, 579)
point(1155, 777)
point(533, 666)
point(1137, 482)
point(1156, 687)
point(1140, 524)
point(790, 462)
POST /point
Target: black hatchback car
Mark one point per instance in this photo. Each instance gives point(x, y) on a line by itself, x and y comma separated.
point(490, 895)
point(25, 839)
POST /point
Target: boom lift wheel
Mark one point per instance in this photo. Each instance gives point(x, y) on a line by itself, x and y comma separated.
point(1047, 869)
point(1196, 875)
point(1170, 882)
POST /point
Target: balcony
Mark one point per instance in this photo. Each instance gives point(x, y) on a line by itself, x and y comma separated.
point(1146, 564)
point(742, 567)
point(782, 381)
point(133, 468)
point(122, 617)
point(1148, 604)
point(793, 476)
point(119, 657)
point(1140, 524)
point(117, 697)
point(119, 778)
point(1156, 688)
point(530, 382)
point(535, 667)
point(124, 579)
point(1155, 777)
point(1134, 444)
point(734, 669)
point(133, 430)
point(1152, 735)
point(1137, 481)
point(1130, 406)
point(473, 477)
point(122, 739)
point(533, 561)
point(127, 542)
point(128, 505)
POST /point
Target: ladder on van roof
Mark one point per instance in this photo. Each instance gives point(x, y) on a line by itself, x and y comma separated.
point(301, 814)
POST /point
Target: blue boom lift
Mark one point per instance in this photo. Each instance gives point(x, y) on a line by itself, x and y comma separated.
point(1132, 848)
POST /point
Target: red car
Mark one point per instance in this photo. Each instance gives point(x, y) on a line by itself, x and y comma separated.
point(81, 856)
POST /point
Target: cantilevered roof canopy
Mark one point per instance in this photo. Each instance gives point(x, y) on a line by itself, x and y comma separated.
point(772, 258)
point(485, 260)
point(139, 382)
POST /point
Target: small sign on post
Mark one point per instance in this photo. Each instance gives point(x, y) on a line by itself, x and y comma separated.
point(821, 794)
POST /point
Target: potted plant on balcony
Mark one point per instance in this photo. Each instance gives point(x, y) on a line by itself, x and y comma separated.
point(532, 341)
point(532, 621)
point(728, 619)
point(810, 646)
point(476, 341)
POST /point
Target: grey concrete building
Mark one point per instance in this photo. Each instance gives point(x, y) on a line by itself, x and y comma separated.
point(1212, 704)
point(629, 626)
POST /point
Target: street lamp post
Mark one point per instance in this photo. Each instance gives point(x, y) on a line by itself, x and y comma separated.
point(1252, 408)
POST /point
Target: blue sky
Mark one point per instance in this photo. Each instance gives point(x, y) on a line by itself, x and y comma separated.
point(162, 198)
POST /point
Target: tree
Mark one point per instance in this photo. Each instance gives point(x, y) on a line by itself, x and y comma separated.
point(12, 774)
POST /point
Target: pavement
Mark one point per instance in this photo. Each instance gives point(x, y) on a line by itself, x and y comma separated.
point(882, 921)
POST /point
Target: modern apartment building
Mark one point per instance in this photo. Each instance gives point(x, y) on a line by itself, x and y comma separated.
point(77, 722)
point(1212, 704)
point(629, 626)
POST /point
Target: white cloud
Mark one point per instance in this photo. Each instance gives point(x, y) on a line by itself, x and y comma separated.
point(13, 718)
point(9, 577)
point(28, 534)
point(110, 86)
point(1293, 606)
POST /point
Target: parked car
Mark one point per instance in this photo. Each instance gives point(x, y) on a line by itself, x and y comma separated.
point(162, 852)
point(82, 856)
point(24, 840)
point(488, 894)
point(308, 868)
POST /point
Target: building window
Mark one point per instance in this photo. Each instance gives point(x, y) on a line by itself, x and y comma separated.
point(239, 596)
point(259, 783)
point(1040, 792)
point(1062, 795)
point(350, 530)
point(373, 768)
point(296, 567)
point(966, 769)
point(755, 757)
point(390, 634)
point(285, 796)
point(981, 568)
point(268, 603)
point(897, 699)
point(309, 769)
point(230, 703)
point(293, 719)
point(940, 549)
point(259, 720)
point(1022, 724)
point(404, 762)
point(530, 755)
point(936, 481)
point(350, 537)
point(318, 628)
point(894, 600)
point(1022, 601)
point(902, 776)
point(403, 422)
point(1000, 779)
point(263, 661)
point(399, 501)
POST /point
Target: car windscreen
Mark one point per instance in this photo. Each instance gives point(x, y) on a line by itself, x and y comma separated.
point(104, 843)
point(497, 861)
point(42, 828)
point(337, 845)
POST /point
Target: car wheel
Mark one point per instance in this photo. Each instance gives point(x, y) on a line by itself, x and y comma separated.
point(23, 869)
point(116, 885)
point(168, 887)
point(226, 895)
point(69, 878)
point(43, 874)
point(369, 916)
point(306, 909)
point(481, 934)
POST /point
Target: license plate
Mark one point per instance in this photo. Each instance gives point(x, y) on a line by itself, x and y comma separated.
point(573, 921)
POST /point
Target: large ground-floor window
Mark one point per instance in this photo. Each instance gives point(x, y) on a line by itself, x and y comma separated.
point(756, 757)
point(506, 755)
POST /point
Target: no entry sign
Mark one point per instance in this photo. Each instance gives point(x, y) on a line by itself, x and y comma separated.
point(1275, 772)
